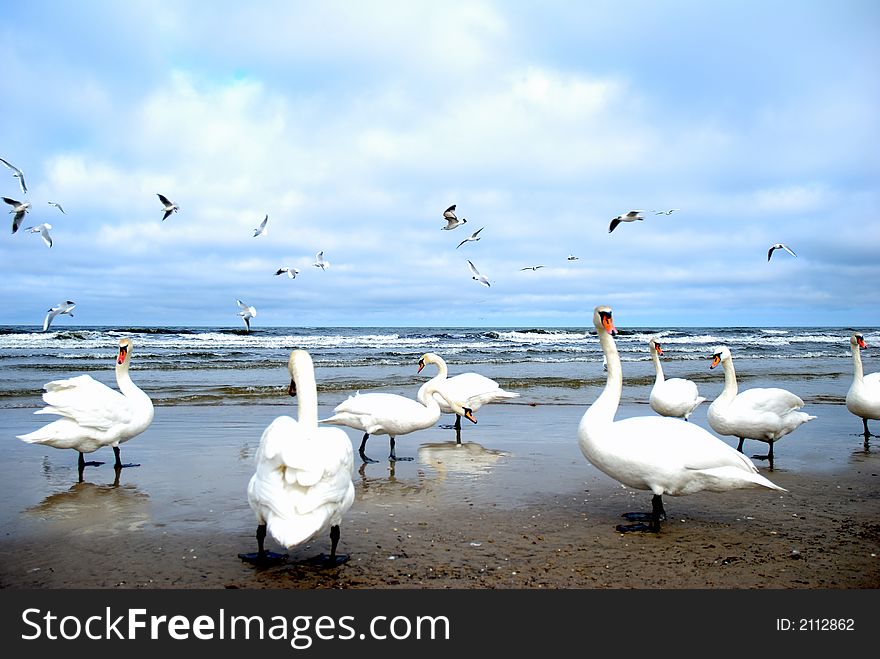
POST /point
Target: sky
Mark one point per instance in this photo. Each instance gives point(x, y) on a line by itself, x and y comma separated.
point(354, 125)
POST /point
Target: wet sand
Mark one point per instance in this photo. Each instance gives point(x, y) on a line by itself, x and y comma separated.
point(515, 506)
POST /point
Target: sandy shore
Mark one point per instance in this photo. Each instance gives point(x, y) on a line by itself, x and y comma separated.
point(514, 511)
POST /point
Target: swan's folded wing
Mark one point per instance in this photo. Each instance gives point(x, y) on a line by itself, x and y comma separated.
point(87, 402)
point(775, 401)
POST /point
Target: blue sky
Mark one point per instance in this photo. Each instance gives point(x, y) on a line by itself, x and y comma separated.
point(354, 125)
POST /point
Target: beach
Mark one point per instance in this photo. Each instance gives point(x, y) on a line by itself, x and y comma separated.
point(516, 505)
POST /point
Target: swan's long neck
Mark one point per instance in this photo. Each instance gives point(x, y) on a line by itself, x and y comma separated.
point(307, 397)
point(428, 389)
point(730, 387)
point(605, 406)
point(658, 367)
point(858, 373)
point(123, 381)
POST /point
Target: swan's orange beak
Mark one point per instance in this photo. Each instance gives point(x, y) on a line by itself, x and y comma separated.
point(716, 359)
point(123, 351)
point(608, 324)
point(469, 415)
point(862, 343)
point(659, 349)
point(291, 389)
point(421, 365)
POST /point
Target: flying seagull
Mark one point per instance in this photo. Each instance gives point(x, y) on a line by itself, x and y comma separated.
point(262, 230)
point(669, 212)
point(19, 209)
point(449, 213)
point(43, 230)
point(532, 267)
point(477, 276)
point(57, 205)
point(631, 216)
point(320, 262)
point(779, 246)
point(246, 314)
point(474, 236)
point(170, 206)
point(64, 307)
point(291, 272)
point(572, 257)
point(17, 173)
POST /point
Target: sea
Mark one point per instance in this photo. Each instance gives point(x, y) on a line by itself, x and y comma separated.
point(223, 366)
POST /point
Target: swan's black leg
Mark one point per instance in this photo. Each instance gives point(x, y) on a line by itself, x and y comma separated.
point(393, 457)
point(653, 518)
point(334, 540)
point(361, 449)
point(118, 462)
point(769, 456)
point(457, 425)
point(458, 435)
point(262, 557)
point(117, 471)
point(91, 463)
point(739, 447)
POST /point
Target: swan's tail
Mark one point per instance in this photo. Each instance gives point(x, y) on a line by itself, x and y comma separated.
point(730, 477)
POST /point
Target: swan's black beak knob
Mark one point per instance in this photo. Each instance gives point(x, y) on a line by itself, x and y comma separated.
point(291, 390)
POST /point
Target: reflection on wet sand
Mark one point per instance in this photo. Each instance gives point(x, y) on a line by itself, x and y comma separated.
point(463, 458)
point(380, 482)
point(89, 507)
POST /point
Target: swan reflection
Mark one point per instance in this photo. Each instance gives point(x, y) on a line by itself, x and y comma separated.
point(467, 458)
point(89, 507)
point(381, 481)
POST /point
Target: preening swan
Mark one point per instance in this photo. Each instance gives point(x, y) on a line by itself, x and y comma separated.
point(394, 415)
point(674, 397)
point(302, 485)
point(863, 397)
point(660, 454)
point(94, 415)
point(767, 415)
point(471, 389)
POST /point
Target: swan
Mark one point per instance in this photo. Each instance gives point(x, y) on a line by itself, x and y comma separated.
point(673, 397)
point(767, 415)
point(863, 397)
point(94, 415)
point(660, 454)
point(394, 415)
point(302, 484)
point(472, 389)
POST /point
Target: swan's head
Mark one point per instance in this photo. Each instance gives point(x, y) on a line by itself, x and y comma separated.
point(721, 354)
point(858, 340)
point(429, 358)
point(602, 320)
point(124, 355)
point(655, 346)
point(299, 362)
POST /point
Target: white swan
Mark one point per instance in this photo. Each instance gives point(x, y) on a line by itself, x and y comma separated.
point(94, 414)
point(863, 397)
point(393, 415)
point(674, 397)
point(660, 454)
point(472, 389)
point(767, 415)
point(302, 485)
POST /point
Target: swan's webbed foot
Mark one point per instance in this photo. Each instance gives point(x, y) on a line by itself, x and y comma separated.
point(647, 522)
point(263, 559)
point(92, 463)
point(123, 466)
point(393, 458)
point(365, 458)
point(333, 560)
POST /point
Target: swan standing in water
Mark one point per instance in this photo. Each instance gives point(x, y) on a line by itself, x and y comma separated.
point(394, 415)
point(767, 415)
point(660, 454)
point(863, 397)
point(94, 414)
point(472, 389)
point(302, 485)
point(674, 397)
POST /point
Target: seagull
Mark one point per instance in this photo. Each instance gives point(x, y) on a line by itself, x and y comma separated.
point(43, 230)
point(170, 206)
point(669, 212)
point(449, 213)
point(453, 223)
point(477, 276)
point(779, 246)
point(291, 272)
point(632, 216)
point(320, 262)
point(473, 236)
point(262, 230)
point(64, 307)
point(17, 173)
point(532, 267)
point(57, 205)
point(572, 257)
point(246, 314)
point(19, 208)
